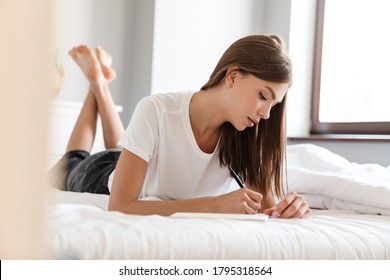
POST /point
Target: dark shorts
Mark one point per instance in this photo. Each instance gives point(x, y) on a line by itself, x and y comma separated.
point(78, 171)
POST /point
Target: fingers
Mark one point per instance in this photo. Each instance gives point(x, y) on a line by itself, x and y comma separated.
point(251, 208)
point(269, 211)
point(253, 200)
point(307, 214)
point(292, 206)
point(249, 202)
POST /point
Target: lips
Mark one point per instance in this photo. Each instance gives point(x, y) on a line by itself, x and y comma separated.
point(251, 122)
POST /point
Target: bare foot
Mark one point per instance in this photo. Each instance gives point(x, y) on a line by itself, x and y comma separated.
point(105, 60)
point(88, 62)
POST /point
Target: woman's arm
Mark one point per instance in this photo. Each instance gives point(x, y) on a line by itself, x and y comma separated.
point(128, 181)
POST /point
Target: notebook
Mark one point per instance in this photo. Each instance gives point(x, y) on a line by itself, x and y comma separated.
point(250, 217)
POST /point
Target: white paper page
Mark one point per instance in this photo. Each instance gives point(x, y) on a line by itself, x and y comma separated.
point(256, 217)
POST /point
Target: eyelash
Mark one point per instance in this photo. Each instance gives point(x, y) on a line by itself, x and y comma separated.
point(262, 97)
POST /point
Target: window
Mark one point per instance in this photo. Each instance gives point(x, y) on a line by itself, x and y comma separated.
point(351, 87)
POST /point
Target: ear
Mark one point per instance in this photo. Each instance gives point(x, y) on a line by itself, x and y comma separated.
point(231, 75)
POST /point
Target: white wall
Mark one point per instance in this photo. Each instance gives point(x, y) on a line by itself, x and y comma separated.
point(190, 37)
point(137, 56)
point(301, 50)
point(276, 18)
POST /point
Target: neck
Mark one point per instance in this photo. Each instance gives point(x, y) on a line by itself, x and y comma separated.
point(207, 111)
point(206, 116)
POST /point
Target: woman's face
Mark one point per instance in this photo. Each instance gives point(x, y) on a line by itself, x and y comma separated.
point(252, 99)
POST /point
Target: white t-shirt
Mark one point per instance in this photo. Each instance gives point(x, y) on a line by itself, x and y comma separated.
point(160, 133)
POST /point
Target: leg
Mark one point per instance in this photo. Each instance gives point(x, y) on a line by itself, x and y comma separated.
point(111, 123)
point(84, 131)
point(105, 60)
point(98, 101)
point(83, 134)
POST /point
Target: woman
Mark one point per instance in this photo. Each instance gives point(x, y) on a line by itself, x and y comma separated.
point(179, 147)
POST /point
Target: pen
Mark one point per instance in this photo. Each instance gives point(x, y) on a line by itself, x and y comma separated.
point(235, 176)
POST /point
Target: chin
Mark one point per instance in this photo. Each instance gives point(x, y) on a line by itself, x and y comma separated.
point(240, 128)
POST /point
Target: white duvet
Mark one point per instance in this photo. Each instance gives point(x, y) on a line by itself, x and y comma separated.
point(328, 181)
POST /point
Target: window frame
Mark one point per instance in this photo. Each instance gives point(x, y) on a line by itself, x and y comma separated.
point(318, 127)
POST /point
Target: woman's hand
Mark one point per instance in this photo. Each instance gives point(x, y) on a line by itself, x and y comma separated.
point(292, 206)
point(242, 201)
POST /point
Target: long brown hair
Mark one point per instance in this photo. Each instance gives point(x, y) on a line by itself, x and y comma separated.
point(258, 153)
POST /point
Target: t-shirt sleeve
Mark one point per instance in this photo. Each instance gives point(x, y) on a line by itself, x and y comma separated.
point(140, 136)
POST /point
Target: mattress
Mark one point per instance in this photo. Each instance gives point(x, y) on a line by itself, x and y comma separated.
point(79, 227)
point(350, 220)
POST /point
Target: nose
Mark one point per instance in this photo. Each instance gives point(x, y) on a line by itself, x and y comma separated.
point(264, 112)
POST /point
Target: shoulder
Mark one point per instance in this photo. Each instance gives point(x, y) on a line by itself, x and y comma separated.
point(164, 101)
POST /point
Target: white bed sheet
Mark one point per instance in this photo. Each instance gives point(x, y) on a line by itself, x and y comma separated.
point(79, 227)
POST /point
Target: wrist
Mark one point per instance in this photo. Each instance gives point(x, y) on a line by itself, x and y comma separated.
point(212, 204)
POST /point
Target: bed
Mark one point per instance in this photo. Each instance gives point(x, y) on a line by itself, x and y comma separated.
point(351, 220)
